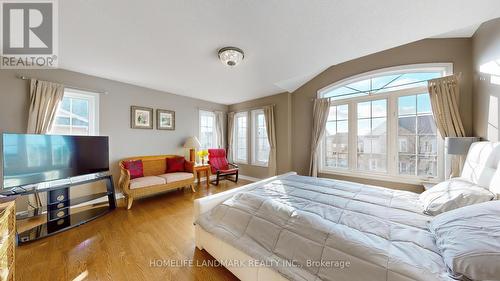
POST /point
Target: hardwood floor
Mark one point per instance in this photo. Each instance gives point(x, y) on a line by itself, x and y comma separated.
point(123, 244)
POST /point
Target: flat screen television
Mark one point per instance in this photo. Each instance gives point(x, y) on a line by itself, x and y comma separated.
point(30, 159)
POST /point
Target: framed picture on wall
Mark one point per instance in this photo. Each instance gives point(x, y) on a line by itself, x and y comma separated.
point(141, 117)
point(165, 119)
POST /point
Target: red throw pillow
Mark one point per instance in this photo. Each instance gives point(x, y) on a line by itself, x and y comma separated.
point(175, 164)
point(135, 168)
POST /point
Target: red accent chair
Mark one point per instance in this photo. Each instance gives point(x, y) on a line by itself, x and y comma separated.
point(220, 167)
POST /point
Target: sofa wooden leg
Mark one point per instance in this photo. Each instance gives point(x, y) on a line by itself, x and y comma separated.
point(130, 200)
point(192, 188)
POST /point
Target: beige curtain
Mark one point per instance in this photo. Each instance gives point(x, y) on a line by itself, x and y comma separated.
point(44, 99)
point(271, 137)
point(219, 128)
point(320, 116)
point(230, 130)
point(445, 95)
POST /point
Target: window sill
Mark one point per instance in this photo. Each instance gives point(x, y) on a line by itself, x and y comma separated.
point(379, 176)
point(260, 165)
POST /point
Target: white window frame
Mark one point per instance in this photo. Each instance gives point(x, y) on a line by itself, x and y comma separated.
point(201, 113)
point(236, 158)
point(93, 99)
point(255, 113)
point(392, 174)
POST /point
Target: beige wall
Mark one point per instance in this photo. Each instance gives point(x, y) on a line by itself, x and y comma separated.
point(293, 111)
point(114, 112)
point(457, 51)
point(283, 122)
point(486, 48)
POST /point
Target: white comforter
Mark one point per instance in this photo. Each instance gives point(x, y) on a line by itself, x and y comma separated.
point(331, 230)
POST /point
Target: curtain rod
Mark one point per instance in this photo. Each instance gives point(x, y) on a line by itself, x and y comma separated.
point(251, 108)
point(69, 86)
point(459, 77)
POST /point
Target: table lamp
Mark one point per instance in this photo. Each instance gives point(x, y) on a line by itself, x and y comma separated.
point(192, 143)
point(457, 147)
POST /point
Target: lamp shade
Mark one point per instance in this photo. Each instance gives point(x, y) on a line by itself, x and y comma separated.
point(192, 142)
point(458, 146)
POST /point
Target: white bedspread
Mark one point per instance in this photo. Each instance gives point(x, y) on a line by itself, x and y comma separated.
point(331, 230)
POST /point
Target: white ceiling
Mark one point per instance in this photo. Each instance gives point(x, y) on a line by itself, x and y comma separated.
point(171, 45)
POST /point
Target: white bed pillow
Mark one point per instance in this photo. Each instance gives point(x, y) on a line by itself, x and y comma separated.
point(451, 194)
point(469, 240)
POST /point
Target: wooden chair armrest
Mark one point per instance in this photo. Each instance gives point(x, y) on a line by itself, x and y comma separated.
point(124, 181)
point(234, 165)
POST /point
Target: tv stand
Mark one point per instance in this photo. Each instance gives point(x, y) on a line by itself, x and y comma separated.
point(61, 212)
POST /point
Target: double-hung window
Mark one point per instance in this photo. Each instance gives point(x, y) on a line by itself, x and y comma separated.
point(260, 143)
point(208, 137)
point(77, 114)
point(240, 141)
point(380, 126)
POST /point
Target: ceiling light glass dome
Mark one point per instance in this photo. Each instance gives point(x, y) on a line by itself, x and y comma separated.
point(231, 56)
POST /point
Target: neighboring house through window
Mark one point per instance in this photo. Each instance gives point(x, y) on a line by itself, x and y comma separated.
point(77, 114)
point(387, 113)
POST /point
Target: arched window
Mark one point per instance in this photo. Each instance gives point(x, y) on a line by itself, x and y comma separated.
point(381, 126)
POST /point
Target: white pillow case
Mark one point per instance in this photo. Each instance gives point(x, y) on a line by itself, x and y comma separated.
point(469, 240)
point(452, 194)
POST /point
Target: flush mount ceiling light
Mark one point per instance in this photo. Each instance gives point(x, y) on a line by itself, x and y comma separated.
point(231, 56)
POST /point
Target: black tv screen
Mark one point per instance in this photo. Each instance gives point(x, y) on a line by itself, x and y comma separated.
point(30, 159)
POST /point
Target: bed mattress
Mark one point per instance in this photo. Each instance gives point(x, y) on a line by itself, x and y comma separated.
point(320, 229)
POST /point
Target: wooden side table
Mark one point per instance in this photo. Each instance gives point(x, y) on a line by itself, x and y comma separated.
point(200, 169)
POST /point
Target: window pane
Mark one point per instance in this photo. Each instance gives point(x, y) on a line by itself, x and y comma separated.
point(364, 109)
point(424, 104)
point(62, 121)
point(80, 107)
point(379, 108)
point(427, 145)
point(332, 114)
point(426, 125)
point(66, 104)
point(337, 138)
point(343, 160)
point(407, 125)
point(379, 126)
point(407, 164)
point(73, 115)
point(372, 135)
point(364, 127)
point(427, 167)
point(407, 144)
point(407, 105)
point(240, 137)
point(207, 129)
point(260, 142)
point(331, 128)
point(342, 112)
point(417, 137)
point(386, 80)
point(342, 127)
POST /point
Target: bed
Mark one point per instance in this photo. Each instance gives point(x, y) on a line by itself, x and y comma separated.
point(339, 230)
